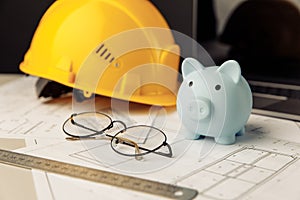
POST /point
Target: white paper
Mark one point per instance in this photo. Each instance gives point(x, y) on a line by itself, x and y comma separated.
point(262, 164)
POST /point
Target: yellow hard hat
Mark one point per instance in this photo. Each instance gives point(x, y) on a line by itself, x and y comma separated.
point(77, 38)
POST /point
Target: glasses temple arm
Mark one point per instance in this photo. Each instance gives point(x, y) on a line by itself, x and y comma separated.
point(169, 155)
point(138, 148)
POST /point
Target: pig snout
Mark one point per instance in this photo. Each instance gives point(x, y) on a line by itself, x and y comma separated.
point(199, 109)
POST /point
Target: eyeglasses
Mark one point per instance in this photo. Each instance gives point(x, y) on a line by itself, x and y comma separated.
point(137, 140)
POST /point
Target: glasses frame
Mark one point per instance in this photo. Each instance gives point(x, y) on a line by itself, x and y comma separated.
point(121, 140)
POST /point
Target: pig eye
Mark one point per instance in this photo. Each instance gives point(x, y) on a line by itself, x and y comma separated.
point(218, 87)
point(191, 83)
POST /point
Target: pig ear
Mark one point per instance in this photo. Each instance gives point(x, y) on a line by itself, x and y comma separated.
point(190, 65)
point(232, 69)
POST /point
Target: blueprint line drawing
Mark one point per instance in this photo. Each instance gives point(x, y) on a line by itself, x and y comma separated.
point(49, 185)
point(263, 164)
point(238, 173)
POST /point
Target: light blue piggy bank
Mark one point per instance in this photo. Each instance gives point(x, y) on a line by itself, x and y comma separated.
point(214, 101)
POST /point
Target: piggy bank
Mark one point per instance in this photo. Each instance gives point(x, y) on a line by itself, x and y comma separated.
point(213, 101)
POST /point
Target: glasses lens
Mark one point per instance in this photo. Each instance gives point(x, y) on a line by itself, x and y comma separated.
point(138, 140)
point(87, 124)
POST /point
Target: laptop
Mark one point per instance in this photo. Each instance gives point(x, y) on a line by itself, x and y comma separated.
point(274, 81)
point(265, 39)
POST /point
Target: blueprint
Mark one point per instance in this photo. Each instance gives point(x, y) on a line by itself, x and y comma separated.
point(262, 164)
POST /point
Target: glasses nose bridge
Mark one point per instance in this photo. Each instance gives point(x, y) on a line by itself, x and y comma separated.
point(120, 122)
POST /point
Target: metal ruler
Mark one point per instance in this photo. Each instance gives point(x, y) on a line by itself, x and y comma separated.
point(96, 175)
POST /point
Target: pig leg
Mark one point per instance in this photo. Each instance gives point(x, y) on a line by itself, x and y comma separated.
point(241, 132)
point(192, 136)
point(228, 139)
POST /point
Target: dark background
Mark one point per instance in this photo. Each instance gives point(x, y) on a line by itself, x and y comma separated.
point(19, 19)
point(260, 48)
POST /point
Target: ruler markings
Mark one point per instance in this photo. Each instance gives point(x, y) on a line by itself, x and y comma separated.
point(96, 175)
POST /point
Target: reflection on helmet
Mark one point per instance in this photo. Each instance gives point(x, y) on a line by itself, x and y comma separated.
point(71, 31)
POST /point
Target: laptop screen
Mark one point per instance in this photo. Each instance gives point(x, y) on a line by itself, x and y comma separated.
point(262, 35)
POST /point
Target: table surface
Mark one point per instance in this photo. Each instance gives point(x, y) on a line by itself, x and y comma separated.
point(4, 78)
point(272, 145)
